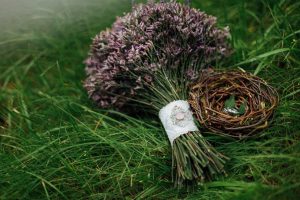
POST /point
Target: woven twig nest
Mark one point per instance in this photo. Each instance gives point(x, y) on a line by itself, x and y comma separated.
point(234, 103)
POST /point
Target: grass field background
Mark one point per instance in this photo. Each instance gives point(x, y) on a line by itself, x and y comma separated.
point(55, 144)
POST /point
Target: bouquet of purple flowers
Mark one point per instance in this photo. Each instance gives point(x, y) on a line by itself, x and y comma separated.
point(147, 59)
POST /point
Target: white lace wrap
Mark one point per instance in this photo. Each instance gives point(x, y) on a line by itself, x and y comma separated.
point(177, 119)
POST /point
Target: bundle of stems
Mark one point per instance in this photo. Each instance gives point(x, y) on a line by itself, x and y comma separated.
point(194, 159)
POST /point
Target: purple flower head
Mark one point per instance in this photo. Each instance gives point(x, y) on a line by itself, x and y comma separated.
point(152, 36)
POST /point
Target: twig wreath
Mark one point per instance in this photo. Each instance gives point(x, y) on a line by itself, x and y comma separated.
point(234, 103)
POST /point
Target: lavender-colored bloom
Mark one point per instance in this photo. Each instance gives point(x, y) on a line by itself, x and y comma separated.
point(152, 36)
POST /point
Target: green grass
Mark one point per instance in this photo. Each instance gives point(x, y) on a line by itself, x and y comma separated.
point(55, 144)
